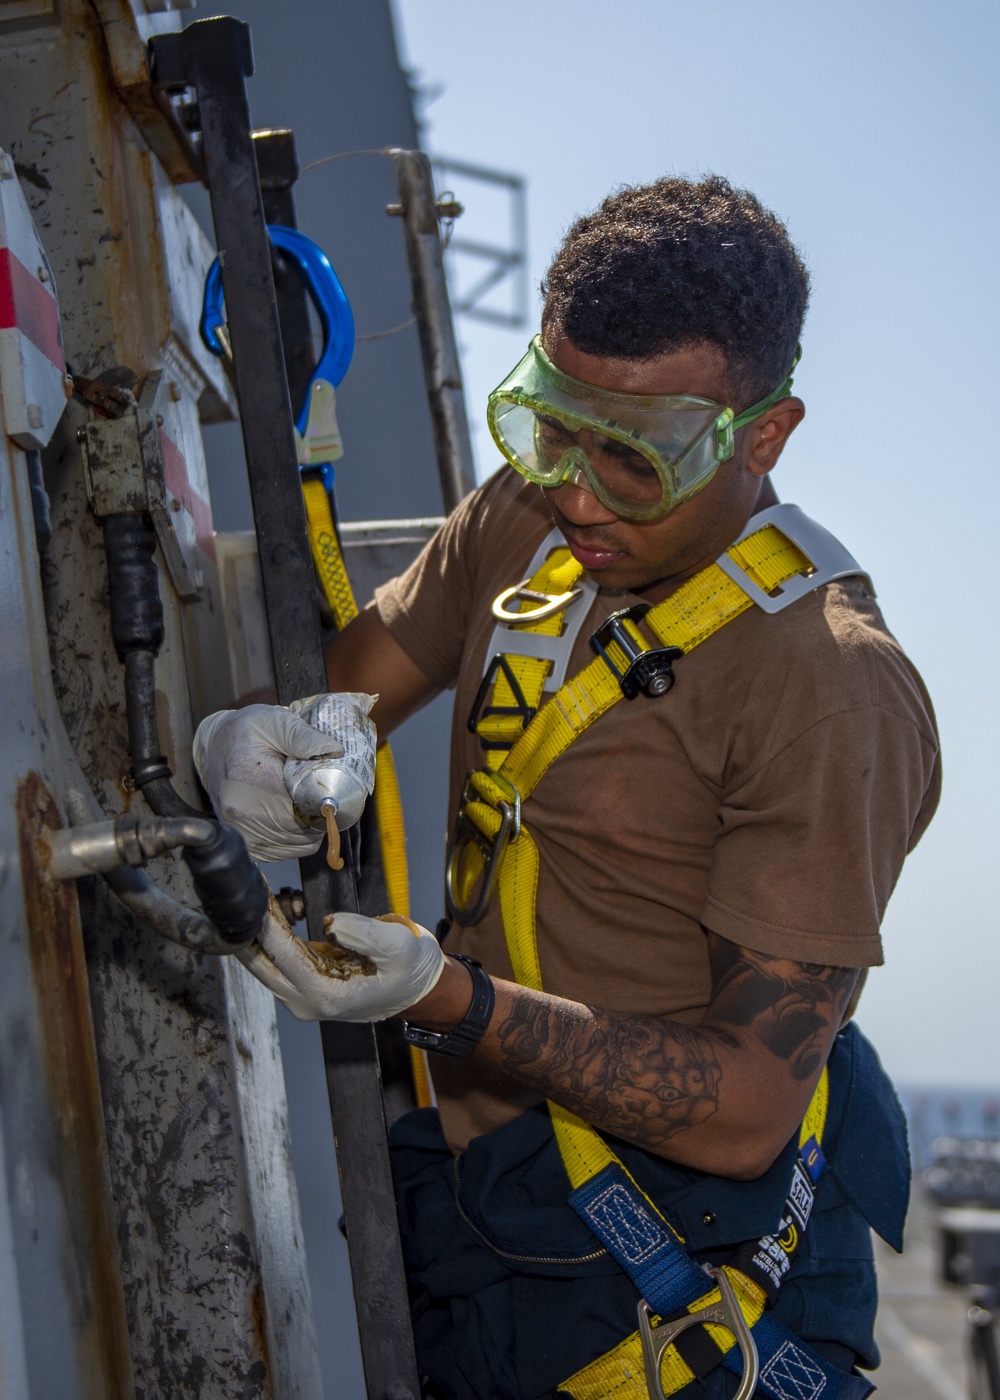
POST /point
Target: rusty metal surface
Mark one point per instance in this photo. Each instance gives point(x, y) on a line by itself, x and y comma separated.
point(127, 27)
point(209, 1233)
point(55, 948)
point(63, 1318)
point(205, 1207)
point(129, 262)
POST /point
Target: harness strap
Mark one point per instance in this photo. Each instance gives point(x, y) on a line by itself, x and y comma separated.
point(519, 683)
point(521, 745)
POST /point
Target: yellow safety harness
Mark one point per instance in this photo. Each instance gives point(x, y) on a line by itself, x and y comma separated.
point(329, 562)
point(491, 846)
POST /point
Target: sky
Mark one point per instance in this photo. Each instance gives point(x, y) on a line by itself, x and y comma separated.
point(872, 131)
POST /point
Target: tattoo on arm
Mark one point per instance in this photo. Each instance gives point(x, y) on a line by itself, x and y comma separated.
point(646, 1078)
point(795, 1009)
point(640, 1077)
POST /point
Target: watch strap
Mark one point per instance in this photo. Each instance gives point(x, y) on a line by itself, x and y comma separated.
point(464, 1037)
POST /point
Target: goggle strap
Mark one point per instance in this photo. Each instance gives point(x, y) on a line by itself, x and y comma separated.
point(755, 410)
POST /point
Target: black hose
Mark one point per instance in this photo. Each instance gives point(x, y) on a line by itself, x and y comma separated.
point(231, 889)
point(150, 769)
point(134, 584)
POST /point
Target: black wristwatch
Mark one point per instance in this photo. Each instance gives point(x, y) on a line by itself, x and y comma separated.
point(464, 1038)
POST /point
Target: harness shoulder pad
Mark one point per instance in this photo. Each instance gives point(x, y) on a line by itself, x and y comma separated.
point(829, 558)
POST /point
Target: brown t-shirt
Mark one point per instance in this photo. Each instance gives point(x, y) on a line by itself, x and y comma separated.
point(771, 796)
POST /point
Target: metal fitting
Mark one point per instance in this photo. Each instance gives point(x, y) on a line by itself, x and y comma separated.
point(292, 903)
point(131, 839)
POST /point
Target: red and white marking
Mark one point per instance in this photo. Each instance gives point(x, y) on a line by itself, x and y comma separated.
point(32, 364)
point(178, 483)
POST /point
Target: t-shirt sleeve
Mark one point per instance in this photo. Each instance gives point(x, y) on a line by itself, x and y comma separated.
point(426, 609)
point(811, 841)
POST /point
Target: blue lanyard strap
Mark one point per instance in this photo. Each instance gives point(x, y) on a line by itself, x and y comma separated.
point(669, 1282)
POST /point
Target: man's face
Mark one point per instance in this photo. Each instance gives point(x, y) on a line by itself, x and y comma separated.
point(632, 556)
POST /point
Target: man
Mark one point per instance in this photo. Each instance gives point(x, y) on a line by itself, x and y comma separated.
point(713, 859)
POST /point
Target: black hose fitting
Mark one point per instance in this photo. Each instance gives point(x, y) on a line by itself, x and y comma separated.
point(134, 584)
point(231, 889)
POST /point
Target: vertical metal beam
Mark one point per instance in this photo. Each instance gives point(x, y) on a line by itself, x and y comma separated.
point(214, 56)
point(278, 168)
point(438, 348)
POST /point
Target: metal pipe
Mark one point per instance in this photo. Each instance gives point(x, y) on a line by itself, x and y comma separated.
point(130, 839)
point(432, 309)
point(189, 928)
point(177, 922)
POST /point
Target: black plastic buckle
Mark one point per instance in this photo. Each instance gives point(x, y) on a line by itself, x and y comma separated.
point(480, 710)
point(650, 669)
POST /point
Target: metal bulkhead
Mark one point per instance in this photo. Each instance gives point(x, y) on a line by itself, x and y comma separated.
point(201, 1251)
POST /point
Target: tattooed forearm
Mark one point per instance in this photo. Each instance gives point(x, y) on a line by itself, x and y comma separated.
point(794, 1008)
point(725, 1095)
point(640, 1077)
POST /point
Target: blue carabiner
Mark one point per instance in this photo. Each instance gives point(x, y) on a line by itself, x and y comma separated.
point(328, 296)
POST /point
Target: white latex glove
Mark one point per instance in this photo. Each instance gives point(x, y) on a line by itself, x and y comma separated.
point(240, 757)
point(369, 970)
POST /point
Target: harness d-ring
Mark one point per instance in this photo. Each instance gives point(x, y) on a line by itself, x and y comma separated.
point(545, 604)
point(725, 1313)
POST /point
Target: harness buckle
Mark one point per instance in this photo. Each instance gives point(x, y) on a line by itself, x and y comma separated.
point(480, 710)
point(492, 851)
point(547, 604)
point(727, 1313)
point(649, 669)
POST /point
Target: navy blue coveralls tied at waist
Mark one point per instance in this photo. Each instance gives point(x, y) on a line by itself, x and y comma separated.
point(513, 1294)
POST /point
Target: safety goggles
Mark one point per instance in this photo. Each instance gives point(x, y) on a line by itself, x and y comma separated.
point(640, 454)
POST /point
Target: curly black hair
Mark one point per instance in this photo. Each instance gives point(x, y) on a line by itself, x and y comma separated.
point(676, 263)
